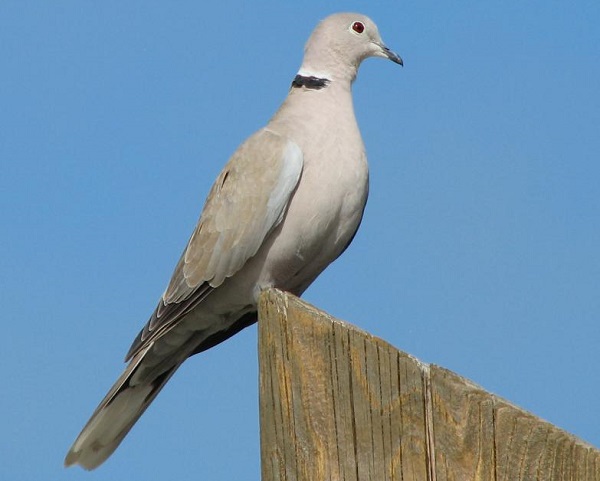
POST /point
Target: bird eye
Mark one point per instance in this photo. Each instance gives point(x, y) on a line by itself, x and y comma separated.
point(358, 27)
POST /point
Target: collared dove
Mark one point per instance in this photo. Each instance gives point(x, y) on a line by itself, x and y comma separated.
point(285, 206)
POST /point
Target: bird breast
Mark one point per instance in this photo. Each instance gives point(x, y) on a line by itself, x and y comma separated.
point(325, 210)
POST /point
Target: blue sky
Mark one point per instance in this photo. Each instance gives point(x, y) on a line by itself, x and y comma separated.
point(479, 250)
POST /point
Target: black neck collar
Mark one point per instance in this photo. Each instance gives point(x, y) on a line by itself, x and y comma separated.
point(311, 83)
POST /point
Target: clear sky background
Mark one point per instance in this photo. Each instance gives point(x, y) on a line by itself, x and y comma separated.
point(479, 250)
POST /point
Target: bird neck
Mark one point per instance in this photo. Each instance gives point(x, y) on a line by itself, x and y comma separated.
point(310, 96)
point(331, 64)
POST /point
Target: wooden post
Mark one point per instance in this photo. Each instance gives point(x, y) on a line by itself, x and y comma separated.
point(339, 404)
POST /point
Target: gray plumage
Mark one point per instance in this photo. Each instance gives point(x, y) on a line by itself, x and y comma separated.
point(285, 206)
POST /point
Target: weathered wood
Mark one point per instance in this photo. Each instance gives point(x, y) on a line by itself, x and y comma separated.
point(339, 404)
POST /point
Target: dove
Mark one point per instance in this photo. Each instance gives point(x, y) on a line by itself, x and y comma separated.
point(285, 206)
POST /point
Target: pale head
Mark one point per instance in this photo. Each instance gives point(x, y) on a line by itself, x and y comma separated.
point(340, 43)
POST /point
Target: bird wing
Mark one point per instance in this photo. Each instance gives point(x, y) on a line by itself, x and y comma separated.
point(247, 201)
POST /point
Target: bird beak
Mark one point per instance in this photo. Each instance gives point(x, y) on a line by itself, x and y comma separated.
point(387, 53)
point(394, 57)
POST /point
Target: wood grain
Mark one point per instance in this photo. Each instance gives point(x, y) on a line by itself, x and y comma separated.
point(339, 404)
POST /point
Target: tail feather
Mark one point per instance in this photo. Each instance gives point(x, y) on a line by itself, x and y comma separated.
point(126, 401)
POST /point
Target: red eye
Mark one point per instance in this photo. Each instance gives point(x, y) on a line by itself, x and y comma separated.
point(358, 27)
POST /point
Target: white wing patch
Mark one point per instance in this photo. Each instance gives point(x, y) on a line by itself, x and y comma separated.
point(288, 179)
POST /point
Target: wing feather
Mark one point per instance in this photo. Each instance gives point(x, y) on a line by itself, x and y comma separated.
point(246, 202)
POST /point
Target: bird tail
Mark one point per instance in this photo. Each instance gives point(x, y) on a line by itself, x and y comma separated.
point(126, 401)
